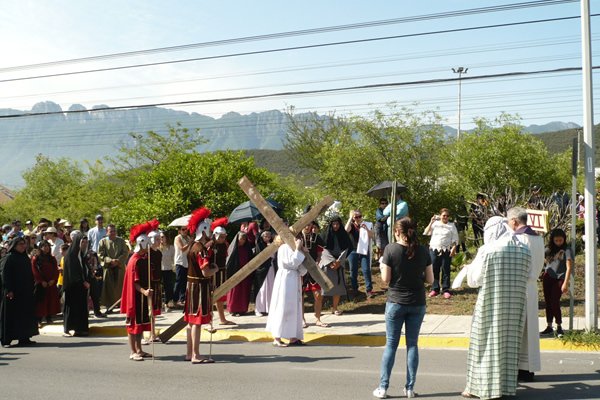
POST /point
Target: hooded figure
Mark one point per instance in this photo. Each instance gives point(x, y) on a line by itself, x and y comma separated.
point(238, 255)
point(76, 284)
point(17, 318)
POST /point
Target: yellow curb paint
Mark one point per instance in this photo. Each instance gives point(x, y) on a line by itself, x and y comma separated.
point(433, 342)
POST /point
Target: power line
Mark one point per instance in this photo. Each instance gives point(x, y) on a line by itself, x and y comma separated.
point(306, 92)
point(291, 48)
point(303, 32)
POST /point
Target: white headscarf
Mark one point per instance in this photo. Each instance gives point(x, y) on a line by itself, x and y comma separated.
point(496, 230)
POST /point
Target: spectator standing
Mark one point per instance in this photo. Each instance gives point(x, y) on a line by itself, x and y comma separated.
point(315, 245)
point(403, 266)
point(478, 216)
point(361, 233)
point(112, 253)
point(555, 280)
point(238, 255)
point(45, 274)
point(182, 245)
point(76, 285)
point(443, 243)
point(84, 226)
point(97, 233)
point(51, 235)
point(381, 227)
point(168, 269)
point(336, 241)
point(17, 308)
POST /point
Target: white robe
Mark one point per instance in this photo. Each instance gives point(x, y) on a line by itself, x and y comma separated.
point(262, 304)
point(529, 356)
point(285, 314)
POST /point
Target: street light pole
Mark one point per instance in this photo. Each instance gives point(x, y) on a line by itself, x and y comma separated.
point(459, 71)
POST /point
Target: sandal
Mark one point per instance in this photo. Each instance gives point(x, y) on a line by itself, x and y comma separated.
point(322, 324)
point(203, 361)
point(468, 395)
point(143, 354)
point(136, 357)
point(338, 312)
point(277, 343)
point(227, 322)
point(304, 325)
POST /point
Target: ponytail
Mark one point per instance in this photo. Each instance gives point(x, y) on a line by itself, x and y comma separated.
point(407, 227)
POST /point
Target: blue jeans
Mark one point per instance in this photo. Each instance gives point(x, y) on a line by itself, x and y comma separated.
point(353, 259)
point(396, 315)
point(180, 283)
point(441, 260)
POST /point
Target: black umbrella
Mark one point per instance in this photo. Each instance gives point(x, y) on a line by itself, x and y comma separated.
point(247, 211)
point(384, 189)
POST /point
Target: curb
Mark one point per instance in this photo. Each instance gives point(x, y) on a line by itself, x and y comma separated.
point(431, 342)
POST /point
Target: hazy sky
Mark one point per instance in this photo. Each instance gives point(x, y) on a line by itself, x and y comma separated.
point(36, 32)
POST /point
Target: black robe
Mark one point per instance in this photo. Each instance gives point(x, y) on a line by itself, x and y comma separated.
point(74, 275)
point(17, 316)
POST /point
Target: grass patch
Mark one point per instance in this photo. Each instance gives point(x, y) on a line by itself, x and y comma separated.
point(582, 338)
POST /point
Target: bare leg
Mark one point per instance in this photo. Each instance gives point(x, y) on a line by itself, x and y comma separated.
point(188, 353)
point(221, 311)
point(336, 302)
point(138, 343)
point(195, 334)
point(318, 304)
point(131, 340)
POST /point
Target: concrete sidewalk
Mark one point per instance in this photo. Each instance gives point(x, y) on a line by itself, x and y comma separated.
point(437, 331)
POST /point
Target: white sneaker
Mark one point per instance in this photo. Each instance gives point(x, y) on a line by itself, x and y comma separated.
point(409, 393)
point(380, 393)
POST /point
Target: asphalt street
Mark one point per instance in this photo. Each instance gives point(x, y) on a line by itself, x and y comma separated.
point(99, 368)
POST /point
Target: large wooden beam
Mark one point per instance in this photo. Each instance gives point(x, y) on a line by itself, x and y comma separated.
point(279, 226)
point(284, 231)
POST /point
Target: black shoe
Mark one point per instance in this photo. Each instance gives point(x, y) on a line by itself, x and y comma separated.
point(100, 315)
point(559, 332)
point(525, 376)
point(25, 343)
point(81, 334)
point(547, 331)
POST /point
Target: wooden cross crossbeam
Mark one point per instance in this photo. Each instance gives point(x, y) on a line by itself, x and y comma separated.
point(287, 234)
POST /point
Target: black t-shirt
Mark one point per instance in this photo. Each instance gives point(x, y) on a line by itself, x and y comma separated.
point(407, 285)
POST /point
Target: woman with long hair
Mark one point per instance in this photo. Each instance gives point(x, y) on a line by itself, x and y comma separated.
point(555, 280)
point(76, 285)
point(405, 267)
point(336, 241)
point(45, 275)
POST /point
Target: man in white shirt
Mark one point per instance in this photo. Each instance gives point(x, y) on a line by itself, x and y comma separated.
point(51, 235)
point(97, 233)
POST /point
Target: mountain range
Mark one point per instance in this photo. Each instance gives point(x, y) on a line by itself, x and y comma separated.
point(88, 135)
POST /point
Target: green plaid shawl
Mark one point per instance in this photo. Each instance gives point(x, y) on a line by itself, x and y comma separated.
point(498, 322)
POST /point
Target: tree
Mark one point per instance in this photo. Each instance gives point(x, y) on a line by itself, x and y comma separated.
point(350, 155)
point(184, 181)
point(498, 155)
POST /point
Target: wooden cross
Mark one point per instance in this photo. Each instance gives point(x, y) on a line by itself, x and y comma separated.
point(288, 236)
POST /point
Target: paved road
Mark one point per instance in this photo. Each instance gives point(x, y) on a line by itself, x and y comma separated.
point(95, 368)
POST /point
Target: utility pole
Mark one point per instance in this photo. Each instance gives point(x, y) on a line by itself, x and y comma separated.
point(459, 71)
point(591, 289)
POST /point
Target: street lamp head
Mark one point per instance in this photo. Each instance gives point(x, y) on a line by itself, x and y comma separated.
point(460, 70)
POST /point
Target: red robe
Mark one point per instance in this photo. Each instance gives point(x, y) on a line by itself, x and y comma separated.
point(133, 303)
point(48, 271)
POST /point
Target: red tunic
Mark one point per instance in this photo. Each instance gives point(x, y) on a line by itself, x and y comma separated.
point(133, 303)
point(45, 269)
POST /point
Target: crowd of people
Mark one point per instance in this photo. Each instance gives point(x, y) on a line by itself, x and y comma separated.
point(53, 269)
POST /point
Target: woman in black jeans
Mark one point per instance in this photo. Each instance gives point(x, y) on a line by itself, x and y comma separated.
point(405, 267)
